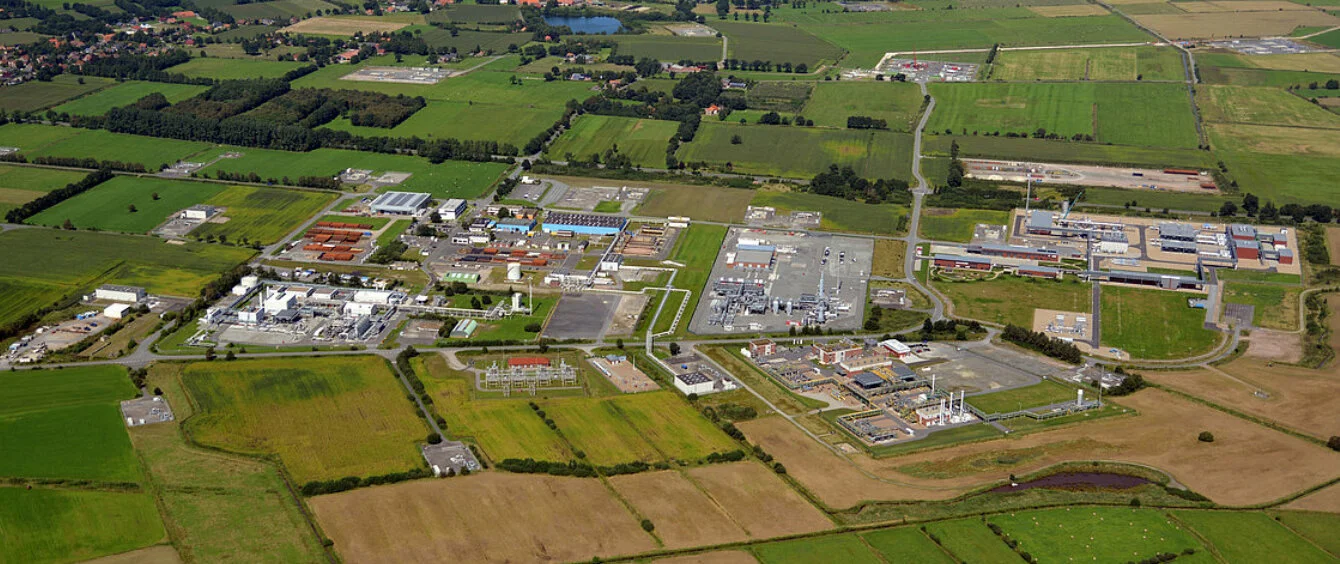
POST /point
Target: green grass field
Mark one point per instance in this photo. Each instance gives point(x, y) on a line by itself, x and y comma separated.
point(832, 103)
point(278, 9)
point(106, 206)
point(127, 93)
point(970, 540)
point(839, 214)
point(42, 267)
point(642, 140)
point(1319, 528)
point(670, 48)
point(707, 203)
point(231, 69)
point(263, 215)
point(467, 41)
point(20, 185)
point(1250, 537)
point(1012, 299)
point(837, 548)
point(906, 546)
point(325, 418)
point(1276, 307)
point(1105, 64)
point(476, 13)
point(696, 248)
point(957, 225)
point(36, 140)
point(1045, 150)
point(800, 152)
point(36, 95)
point(46, 525)
point(1096, 534)
point(451, 179)
point(1153, 324)
point(1043, 393)
point(75, 408)
point(1330, 39)
point(776, 43)
point(648, 427)
point(1262, 106)
point(868, 42)
point(1289, 164)
point(463, 120)
point(1125, 114)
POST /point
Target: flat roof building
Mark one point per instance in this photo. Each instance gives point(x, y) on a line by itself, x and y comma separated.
point(583, 224)
point(1176, 232)
point(758, 259)
point(960, 261)
point(401, 203)
point(1015, 251)
point(1178, 246)
point(452, 209)
point(514, 225)
point(118, 293)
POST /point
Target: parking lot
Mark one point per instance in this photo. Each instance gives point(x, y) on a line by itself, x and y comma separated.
point(403, 75)
point(1270, 46)
point(927, 71)
point(983, 368)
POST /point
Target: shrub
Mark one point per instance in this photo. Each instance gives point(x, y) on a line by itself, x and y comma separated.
point(648, 526)
point(1205, 437)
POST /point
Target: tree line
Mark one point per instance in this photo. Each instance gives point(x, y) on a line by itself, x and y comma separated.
point(1040, 342)
point(27, 210)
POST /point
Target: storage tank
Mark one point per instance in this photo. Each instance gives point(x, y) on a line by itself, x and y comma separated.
point(513, 271)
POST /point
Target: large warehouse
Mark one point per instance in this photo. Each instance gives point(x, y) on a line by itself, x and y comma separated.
point(583, 224)
point(402, 203)
point(116, 293)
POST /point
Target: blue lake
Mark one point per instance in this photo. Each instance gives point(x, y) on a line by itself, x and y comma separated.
point(589, 25)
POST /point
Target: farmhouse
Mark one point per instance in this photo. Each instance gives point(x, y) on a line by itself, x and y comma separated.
point(400, 203)
point(117, 293)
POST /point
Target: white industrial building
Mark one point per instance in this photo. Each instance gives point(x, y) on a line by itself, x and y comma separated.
point(701, 383)
point(199, 212)
point(116, 311)
point(279, 302)
point(359, 308)
point(400, 203)
point(452, 209)
point(383, 297)
point(116, 293)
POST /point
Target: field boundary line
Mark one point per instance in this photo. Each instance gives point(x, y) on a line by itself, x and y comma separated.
point(1241, 415)
point(717, 504)
point(943, 548)
point(1204, 541)
point(1304, 537)
point(877, 554)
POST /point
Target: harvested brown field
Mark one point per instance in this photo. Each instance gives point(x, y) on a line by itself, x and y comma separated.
point(343, 26)
point(1240, 6)
point(1298, 398)
point(1241, 467)
point(830, 477)
point(759, 501)
point(1279, 346)
point(1071, 11)
point(491, 517)
point(161, 554)
point(1314, 62)
point(1333, 244)
point(1326, 499)
point(889, 259)
point(684, 516)
point(718, 557)
point(1233, 24)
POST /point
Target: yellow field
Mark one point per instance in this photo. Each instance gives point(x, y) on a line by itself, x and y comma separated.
point(1276, 140)
point(1315, 62)
point(1333, 244)
point(1234, 24)
point(758, 500)
point(1075, 10)
point(1240, 6)
point(325, 418)
point(667, 498)
point(488, 517)
point(1300, 399)
point(1261, 106)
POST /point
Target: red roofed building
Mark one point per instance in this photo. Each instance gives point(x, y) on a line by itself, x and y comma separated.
point(712, 110)
point(527, 361)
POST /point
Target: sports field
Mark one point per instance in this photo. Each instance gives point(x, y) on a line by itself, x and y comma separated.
point(325, 418)
point(1012, 299)
point(36, 95)
point(127, 93)
point(642, 140)
point(670, 48)
point(1156, 115)
point(1096, 534)
point(107, 206)
point(1153, 324)
point(36, 140)
point(797, 152)
point(76, 408)
point(940, 224)
point(838, 214)
point(231, 69)
point(1043, 393)
point(20, 185)
point(831, 103)
point(450, 179)
point(49, 525)
point(262, 215)
point(776, 43)
point(1106, 64)
point(1250, 537)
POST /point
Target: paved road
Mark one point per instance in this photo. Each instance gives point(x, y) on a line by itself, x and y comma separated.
point(914, 224)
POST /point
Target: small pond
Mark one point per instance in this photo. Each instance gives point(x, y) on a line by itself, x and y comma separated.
point(588, 24)
point(1078, 480)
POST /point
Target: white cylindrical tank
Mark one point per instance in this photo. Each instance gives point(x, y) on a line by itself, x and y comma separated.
point(1079, 398)
point(516, 301)
point(513, 271)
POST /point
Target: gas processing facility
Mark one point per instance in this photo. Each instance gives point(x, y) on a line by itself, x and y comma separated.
point(773, 280)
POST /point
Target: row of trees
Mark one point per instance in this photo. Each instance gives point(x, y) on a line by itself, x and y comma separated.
point(846, 184)
point(27, 210)
point(1040, 342)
